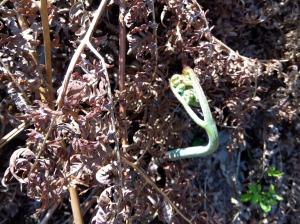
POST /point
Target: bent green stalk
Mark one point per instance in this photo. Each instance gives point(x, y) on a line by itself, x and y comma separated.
point(188, 91)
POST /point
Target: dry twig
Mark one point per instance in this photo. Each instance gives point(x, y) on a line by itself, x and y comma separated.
point(49, 213)
point(99, 12)
point(113, 119)
point(47, 49)
point(3, 2)
point(13, 133)
point(122, 62)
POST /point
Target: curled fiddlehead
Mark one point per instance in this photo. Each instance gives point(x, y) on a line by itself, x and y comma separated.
point(188, 91)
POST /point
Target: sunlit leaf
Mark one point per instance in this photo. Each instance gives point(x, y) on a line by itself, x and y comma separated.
point(246, 197)
point(278, 197)
point(265, 207)
point(273, 172)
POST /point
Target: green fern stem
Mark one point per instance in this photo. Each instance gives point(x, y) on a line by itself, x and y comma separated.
point(188, 91)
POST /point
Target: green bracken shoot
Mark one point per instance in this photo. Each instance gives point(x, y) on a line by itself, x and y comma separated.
point(188, 91)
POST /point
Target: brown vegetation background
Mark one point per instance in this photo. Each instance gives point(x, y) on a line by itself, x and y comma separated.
point(246, 54)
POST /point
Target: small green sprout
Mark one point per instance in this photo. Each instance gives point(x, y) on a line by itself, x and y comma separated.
point(272, 172)
point(265, 199)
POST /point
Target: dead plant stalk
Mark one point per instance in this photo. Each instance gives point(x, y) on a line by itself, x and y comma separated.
point(47, 51)
point(60, 100)
point(122, 61)
point(9, 136)
point(45, 94)
point(75, 205)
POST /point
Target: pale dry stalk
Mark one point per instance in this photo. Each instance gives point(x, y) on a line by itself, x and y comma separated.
point(122, 62)
point(13, 133)
point(47, 51)
point(75, 205)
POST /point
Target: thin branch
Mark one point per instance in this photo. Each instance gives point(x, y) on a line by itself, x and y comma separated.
point(41, 149)
point(3, 2)
point(98, 14)
point(60, 101)
point(230, 50)
point(122, 62)
point(49, 213)
point(47, 50)
point(113, 118)
point(150, 182)
point(9, 136)
point(85, 206)
point(113, 121)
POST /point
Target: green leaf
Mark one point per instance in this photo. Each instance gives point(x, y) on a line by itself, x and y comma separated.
point(246, 197)
point(272, 189)
point(254, 187)
point(265, 207)
point(278, 197)
point(272, 172)
point(256, 198)
point(271, 201)
point(265, 199)
point(272, 193)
